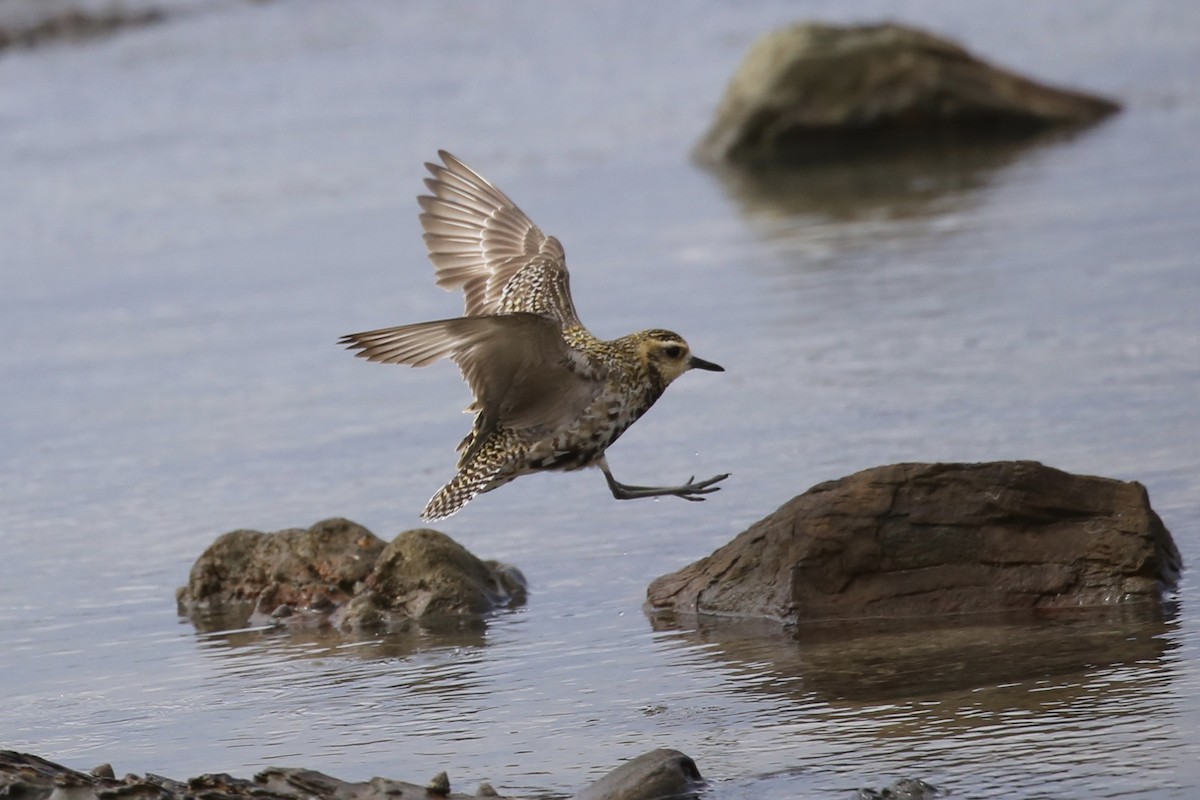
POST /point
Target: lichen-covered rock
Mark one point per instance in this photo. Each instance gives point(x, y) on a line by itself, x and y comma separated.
point(913, 540)
point(339, 573)
point(425, 575)
point(811, 92)
point(294, 567)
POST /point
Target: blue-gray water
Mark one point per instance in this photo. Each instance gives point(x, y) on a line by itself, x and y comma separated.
point(192, 213)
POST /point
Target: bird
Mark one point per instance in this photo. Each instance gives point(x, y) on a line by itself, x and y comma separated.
point(548, 395)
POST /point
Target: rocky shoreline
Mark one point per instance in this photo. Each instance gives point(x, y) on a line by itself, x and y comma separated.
point(656, 774)
point(661, 774)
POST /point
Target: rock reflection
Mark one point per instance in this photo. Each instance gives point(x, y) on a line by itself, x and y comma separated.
point(885, 661)
point(225, 631)
point(875, 187)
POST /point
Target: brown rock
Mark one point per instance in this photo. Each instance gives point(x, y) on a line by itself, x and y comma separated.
point(425, 575)
point(927, 539)
point(294, 568)
point(339, 573)
point(810, 92)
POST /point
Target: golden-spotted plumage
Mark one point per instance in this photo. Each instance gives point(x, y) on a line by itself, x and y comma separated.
point(548, 394)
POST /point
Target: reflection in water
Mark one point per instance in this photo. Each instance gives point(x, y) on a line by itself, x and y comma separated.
point(431, 688)
point(967, 701)
point(323, 640)
point(880, 661)
point(900, 186)
point(883, 195)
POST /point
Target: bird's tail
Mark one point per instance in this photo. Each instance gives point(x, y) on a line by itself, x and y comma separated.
point(489, 467)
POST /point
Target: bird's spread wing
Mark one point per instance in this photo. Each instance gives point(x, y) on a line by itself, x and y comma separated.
point(519, 368)
point(480, 242)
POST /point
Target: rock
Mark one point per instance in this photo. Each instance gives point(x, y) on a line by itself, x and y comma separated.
point(338, 573)
point(34, 24)
point(656, 775)
point(440, 785)
point(33, 778)
point(812, 92)
point(426, 575)
point(903, 789)
point(281, 572)
point(915, 540)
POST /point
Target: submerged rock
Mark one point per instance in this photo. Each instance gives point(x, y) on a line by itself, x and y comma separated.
point(811, 92)
point(657, 775)
point(917, 540)
point(903, 789)
point(341, 574)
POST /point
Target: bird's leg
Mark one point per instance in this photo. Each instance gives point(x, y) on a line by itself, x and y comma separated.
point(692, 490)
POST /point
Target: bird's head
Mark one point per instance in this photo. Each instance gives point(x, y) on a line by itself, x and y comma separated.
point(667, 355)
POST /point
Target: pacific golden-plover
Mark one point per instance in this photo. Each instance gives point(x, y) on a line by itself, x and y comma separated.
point(548, 394)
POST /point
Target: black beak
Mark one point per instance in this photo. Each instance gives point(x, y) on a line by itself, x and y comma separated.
point(700, 363)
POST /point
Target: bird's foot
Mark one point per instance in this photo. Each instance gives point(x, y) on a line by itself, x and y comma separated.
point(693, 490)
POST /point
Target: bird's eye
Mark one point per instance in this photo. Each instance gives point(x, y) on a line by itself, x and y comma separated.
point(673, 351)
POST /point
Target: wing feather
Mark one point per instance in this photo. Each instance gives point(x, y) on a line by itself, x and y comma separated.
point(481, 242)
point(519, 368)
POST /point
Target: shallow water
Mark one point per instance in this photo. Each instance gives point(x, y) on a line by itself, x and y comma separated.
point(193, 213)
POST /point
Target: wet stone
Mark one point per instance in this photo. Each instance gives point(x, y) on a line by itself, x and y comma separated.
point(652, 776)
point(927, 540)
point(813, 92)
point(440, 785)
point(903, 789)
point(339, 574)
point(661, 773)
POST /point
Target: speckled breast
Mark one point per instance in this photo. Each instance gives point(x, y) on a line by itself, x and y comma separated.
point(580, 444)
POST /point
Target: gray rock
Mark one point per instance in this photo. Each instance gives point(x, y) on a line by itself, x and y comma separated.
point(339, 573)
point(812, 92)
point(34, 778)
point(920, 540)
point(658, 775)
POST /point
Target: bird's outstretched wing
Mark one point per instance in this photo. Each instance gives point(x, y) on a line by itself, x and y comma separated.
point(480, 242)
point(519, 368)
